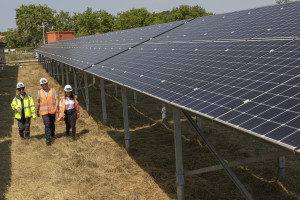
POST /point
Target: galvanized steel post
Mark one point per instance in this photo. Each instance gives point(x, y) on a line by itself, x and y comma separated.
point(134, 98)
point(178, 154)
point(125, 118)
point(75, 82)
point(62, 74)
point(104, 115)
point(281, 167)
point(163, 112)
point(86, 92)
point(67, 74)
point(57, 71)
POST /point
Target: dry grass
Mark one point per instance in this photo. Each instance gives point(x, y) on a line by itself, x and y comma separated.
point(97, 166)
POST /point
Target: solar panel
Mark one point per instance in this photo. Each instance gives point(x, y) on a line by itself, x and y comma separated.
point(241, 68)
point(273, 115)
point(85, 51)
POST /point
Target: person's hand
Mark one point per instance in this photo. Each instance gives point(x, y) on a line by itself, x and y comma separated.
point(19, 109)
point(38, 114)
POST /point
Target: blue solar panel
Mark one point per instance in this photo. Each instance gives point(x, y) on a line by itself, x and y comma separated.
point(274, 115)
point(85, 51)
point(241, 68)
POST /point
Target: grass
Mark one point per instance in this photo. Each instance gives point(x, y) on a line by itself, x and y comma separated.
point(97, 165)
point(14, 56)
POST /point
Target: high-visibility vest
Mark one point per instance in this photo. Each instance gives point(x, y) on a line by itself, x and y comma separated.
point(63, 108)
point(29, 108)
point(47, 104)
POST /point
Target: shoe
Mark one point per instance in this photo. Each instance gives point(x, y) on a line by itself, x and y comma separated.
point(48, 143)
point(53, 136)
point(74, 138)
point(68, 133)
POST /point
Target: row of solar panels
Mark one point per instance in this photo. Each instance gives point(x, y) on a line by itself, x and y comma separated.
point(241, 69)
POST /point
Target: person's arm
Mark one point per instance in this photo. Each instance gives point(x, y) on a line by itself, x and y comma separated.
point(14, 106)
point(32, 107)
point(38, 107)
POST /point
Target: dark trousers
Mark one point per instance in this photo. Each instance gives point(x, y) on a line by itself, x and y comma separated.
point(49, 122)
point(70, 121)
point(24, 125)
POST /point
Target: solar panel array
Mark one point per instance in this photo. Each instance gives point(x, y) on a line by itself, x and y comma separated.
point(240, 69)
point(86, 51)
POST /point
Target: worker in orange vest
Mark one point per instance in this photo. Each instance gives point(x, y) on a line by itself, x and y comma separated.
point(69, 110)
point(48, 105)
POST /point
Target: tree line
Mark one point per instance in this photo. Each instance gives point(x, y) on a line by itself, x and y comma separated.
point(30, 20)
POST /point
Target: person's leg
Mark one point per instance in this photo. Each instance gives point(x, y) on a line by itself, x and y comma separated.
point(27, 128)
point(73, 119)
point(21, 127)
point(67, 122)
point(52, 124)
point(46, 121)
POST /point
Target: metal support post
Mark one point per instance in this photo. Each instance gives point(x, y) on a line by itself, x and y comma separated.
point(116, 90)
point(134, 98)
point(62, 74)
point(67, 75)
point(53, 68)
point(57, 71)
point(94, 80)
point(50, 68)
point(178, 155)
point(281, 167)
point(104, 115)
point(233, 177)
point(86, 92)
point(75, 82)
point(198, 121)
point(163, 112)
point(125, 118)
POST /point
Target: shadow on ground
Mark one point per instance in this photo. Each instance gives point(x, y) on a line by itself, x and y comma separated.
point(8, 82)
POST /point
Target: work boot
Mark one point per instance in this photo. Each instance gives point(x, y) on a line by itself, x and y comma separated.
point(27, 136)
point(21, 134)
point(48, 143)
point(68, 133)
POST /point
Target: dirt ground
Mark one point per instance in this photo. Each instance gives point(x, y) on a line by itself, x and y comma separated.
point(97, 166)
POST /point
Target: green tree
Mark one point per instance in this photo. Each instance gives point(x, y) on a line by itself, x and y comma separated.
point(132, 19)
point(30, 18)
point(282, 1)
point(12, 38)
point(106, 21)
point(187, 12)
point(88, 22)
point(64, 22)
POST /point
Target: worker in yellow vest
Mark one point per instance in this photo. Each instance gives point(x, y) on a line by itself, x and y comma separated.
point(69, 110)
point(48, 105)
point(24, 108)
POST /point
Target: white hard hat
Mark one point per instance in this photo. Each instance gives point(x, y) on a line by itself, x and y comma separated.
point(68, 88)
point(20, 85)
point(43, 81)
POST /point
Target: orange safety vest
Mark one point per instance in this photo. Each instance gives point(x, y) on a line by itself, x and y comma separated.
point(63, 108)
point(47, 104)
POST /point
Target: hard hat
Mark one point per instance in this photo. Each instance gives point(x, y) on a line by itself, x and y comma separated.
point(43, 81)
point(68, 88)
point(20, 85)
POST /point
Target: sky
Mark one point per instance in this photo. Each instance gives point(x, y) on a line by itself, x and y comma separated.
point(7, 13)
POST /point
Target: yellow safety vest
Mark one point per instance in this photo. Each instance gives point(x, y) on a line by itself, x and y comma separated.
point(29, 108)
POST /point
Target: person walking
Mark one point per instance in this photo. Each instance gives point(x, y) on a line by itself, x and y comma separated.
point(47, 104)
point(69, 110)
point(24, 108)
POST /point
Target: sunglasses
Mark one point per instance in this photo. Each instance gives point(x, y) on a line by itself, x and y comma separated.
point(22, 88)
